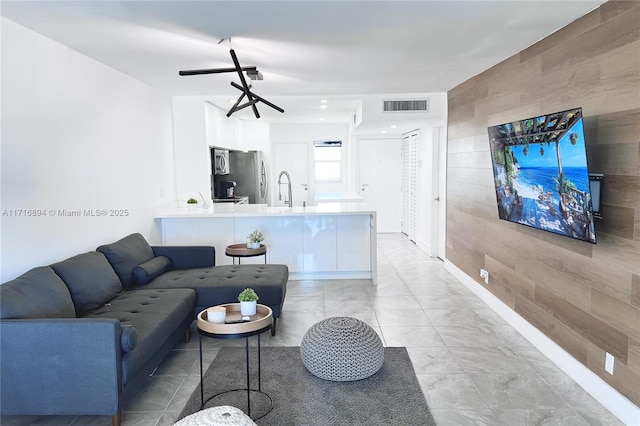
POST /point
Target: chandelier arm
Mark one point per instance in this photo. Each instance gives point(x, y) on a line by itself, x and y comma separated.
point(215, 71)
point(244, 82)
point(243, 106)
point(233, 108)
point(261, 99)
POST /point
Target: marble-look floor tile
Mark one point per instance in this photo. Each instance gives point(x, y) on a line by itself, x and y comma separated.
point(155, 394)
point(406, 302)
point(427, 302)
point(451, 391)
point(534, 417)
point(469, 335)
point(305, 288)
point(178, 363)
point(464, 417)
point(348, 305)
point(389, 290)
point(367, 316)
point(303, 303)
point(488, 316)
point(475, 302)
point(497, 360)
point(412, 337)
point(511, 336)
point(452, 316)
point(517, 391)
point(435, 360)
point(402, 317)
point(584, 404)
point(536, 359)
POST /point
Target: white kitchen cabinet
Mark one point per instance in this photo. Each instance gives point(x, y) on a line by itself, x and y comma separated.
point(319, 244)
point(353, 242)
point(285, 244)
point(336, 240)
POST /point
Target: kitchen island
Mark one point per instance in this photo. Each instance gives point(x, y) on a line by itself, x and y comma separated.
point(327, 241)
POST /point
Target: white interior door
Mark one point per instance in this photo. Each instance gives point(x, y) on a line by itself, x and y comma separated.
point(410, 185)
point(379, 180)
point(442, 193)
point(406, 169)
point(294, 159)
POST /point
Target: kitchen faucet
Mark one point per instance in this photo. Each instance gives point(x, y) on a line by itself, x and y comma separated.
point(288, 185)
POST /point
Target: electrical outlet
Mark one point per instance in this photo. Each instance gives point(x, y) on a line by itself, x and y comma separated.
point(484, 274)
point(609, 361)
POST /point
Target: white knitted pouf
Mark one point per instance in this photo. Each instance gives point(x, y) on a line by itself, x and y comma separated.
point(342, 349)
point(224, 415)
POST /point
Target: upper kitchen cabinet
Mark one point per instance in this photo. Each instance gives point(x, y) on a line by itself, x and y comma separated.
point(221, 130)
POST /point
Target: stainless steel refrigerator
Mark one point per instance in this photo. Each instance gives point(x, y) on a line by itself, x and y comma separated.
point(249, 170)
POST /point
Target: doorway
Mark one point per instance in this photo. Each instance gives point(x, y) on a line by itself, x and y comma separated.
point(379, 180)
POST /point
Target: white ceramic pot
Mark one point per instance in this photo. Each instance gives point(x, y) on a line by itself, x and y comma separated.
point(248, 308)
point(255, 245)
point(216, 314)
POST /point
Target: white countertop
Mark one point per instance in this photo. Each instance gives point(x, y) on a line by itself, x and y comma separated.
point(248, 210)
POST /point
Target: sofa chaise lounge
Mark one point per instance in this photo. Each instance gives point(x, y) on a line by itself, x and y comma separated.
point(79, 337)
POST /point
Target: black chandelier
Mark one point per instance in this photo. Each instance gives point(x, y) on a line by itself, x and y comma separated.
point(252, 73)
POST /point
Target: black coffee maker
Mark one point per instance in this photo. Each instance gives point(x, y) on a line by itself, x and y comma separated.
point(227, 189)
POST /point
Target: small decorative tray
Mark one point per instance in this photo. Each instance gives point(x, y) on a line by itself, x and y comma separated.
point(243, 250)
point(262, 318)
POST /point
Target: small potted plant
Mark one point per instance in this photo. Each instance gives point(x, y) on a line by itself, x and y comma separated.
point(248, 301)
point(192, 203)
point(255, 238)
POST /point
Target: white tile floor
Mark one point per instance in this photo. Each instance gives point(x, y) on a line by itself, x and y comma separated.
point(473, 367)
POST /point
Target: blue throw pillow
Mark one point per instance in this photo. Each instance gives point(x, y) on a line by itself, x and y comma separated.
point(125, 254)
point(151, 269)
point(90, 279)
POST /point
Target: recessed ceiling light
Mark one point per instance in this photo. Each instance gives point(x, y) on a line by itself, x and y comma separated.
point(393, 126)
point(321, 119)
point(383, 132)
point(324, 106)
point(324, 101)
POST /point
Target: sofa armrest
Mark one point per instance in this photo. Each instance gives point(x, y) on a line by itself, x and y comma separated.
point(188, 257)
point(60, 366)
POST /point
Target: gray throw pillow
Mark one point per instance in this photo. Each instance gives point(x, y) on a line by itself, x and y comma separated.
point(90, 279)
point(151, 269)
point(125, 254)
point(38, 293)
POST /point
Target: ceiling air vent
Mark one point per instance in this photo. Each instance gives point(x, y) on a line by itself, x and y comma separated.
point(405, 105)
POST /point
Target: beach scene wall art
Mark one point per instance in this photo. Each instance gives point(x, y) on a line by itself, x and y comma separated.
point(541, 175)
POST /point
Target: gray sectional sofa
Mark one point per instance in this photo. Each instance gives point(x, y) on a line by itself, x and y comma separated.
point(80, 336)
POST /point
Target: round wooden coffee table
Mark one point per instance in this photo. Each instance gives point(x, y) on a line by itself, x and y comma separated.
point(235, 327)
point(241, 250)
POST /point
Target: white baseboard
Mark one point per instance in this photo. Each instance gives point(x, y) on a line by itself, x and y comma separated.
point(345, 275)
point(614, 401)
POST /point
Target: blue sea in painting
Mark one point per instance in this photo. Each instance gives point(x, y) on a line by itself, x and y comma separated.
point(530, 179)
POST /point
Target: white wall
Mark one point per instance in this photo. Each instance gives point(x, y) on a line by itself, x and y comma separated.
point(191, 149)
point(76, 135)
point(307, 133)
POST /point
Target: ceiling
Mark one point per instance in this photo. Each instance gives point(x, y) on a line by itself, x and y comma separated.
point(339, 51)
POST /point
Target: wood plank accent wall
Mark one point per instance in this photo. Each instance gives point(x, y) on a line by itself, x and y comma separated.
point(585, 297)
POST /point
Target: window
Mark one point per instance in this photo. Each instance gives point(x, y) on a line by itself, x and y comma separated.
point(327, 161)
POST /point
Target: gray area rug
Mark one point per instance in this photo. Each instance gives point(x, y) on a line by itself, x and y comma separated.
point(392, 396)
